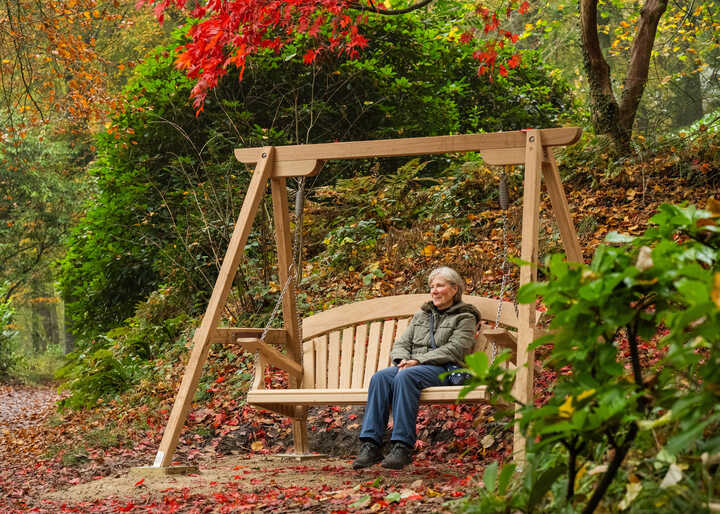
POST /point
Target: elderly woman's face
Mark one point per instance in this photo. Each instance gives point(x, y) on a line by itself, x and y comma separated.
point(442, 292)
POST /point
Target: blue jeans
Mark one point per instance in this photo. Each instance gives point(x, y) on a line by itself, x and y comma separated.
point(401, 389)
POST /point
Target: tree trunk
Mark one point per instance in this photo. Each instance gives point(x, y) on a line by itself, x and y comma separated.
point(604, 108)
point(687, 105)
point(637, 74)
point(609, 117)
point(45, 326)
point(39, 344)
point(50, 322)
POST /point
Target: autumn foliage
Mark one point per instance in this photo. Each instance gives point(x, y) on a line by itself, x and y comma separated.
point(227, 33)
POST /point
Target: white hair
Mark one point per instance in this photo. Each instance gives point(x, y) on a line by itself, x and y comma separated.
point(450, 275)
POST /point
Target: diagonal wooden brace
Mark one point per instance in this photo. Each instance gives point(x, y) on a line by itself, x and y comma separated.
point(271, 355)
point(206, 330)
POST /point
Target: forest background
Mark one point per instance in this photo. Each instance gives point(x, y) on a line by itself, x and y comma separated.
point(120, 190)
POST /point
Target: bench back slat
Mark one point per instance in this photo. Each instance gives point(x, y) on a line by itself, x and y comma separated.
point(321, 347)
point(388, 337)
point(359, 357)
point(309, 365)
point(373, 348)
point(333, 380)
point(346, 358)
point(402, 325)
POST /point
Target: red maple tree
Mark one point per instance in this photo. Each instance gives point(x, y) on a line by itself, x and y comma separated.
point(229, 31)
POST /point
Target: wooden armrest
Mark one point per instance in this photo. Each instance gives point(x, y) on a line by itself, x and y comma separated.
point(500, 337)
point(229, 335)
point(273, 356)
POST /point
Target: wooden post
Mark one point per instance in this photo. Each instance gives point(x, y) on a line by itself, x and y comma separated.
point(560, 208)
point(204, 333)
point(523, 390)
point(290, 319)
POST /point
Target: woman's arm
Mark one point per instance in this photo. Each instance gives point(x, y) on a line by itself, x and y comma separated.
point(402, 347)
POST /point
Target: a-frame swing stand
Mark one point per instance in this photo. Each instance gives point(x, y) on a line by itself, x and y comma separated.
point(275, 164)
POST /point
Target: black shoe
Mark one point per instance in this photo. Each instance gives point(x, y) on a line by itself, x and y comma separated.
point(399, 456)
point(369, 454)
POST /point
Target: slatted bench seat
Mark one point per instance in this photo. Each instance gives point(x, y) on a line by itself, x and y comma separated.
point(344, 346)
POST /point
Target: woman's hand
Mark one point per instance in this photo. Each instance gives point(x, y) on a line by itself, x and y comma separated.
point(403, 364)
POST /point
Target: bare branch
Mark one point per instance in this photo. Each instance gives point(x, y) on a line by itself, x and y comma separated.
point(389, 12)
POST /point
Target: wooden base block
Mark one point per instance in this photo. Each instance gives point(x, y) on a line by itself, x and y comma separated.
point(299, 456)
point(147, 471)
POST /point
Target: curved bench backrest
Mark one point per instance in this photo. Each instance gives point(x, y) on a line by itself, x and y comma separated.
point(343, 347)
point(401, 306)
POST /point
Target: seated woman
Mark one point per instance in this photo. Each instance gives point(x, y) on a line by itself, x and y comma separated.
point(418, 360)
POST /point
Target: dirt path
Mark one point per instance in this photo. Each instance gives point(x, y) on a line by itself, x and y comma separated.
point(109, 480)
point(267, 484)
point(23, 406)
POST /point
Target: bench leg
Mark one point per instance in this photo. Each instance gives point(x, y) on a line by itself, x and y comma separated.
point(300, 439)
point(300, 436)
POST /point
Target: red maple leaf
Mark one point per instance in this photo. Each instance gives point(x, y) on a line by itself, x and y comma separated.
point(309, 56)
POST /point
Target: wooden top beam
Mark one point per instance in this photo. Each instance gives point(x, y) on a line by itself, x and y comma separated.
point(409, 146)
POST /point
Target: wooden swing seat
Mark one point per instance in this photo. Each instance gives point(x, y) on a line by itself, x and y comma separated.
point(343, 347)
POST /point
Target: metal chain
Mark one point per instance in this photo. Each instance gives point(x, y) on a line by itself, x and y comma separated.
point(292, 275)
point(297, 252)
point(504, 269)
point(503, 284)
point(504, 204)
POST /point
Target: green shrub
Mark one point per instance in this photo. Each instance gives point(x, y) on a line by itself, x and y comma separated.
point(349, 245)
point(8, 355)
point(635, 409)
point(39, 368)
point(104, 367)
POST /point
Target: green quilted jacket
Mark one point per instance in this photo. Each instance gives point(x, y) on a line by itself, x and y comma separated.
point(454, 335)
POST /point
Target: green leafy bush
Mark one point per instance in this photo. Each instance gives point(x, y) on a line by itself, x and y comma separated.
point(349, 245)
point(107, 365)
point(38, 368)
point(635, 409)
point(8, 355)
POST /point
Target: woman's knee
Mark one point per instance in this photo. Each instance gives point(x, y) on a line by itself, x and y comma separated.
point(418, 377)
point(384, 376)
point(405, 378)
